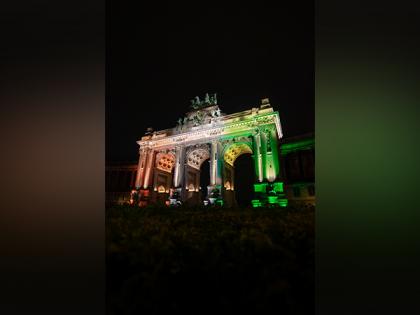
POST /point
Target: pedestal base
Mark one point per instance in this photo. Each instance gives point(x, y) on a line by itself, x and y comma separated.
point(269, 195)
point(175, 197)
point(214, 195)
point(140, 197)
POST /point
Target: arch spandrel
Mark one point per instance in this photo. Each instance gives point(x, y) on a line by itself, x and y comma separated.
point(196, 155)
point(234, 150)
point(165, 161)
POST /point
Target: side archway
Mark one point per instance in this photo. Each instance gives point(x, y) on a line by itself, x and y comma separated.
point(230, 155)
point(194, 159)
point(164, 165)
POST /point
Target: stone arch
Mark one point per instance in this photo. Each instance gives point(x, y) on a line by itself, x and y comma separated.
point(165, 162)
point(234, 150)
point(197, 155)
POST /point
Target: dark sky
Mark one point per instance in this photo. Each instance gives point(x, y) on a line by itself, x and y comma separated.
point(160, 57)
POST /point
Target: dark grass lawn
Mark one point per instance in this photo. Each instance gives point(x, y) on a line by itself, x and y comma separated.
point(210, 261)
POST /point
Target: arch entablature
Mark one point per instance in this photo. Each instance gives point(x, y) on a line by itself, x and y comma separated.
point(197, 154)
point(227, 141)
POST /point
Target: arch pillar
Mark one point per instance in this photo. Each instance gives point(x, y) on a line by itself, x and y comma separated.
point(214, 190)
point(269, 191)
point(179, 166)
point(258, 157)
point(143, 178)
point(149, 169)
point(178, 179)
point(270, 154)
point(141, 168)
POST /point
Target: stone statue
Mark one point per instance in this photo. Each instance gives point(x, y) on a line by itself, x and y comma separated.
point(213, 99)
point(218, 112)
point(195, 103)
point(207, 99)
point(197, 119)
point(179, 123)
point(200, 117)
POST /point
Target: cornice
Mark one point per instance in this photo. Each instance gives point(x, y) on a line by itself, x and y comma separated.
point(222, 127)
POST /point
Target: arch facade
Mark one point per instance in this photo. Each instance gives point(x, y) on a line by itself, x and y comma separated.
point(170, 160)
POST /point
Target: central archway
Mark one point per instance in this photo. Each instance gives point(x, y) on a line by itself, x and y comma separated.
point(196, 156)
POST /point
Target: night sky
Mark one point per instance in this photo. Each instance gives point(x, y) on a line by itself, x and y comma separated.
point(158, 58)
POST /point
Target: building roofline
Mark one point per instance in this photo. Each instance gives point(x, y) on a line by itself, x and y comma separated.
point(308, 135)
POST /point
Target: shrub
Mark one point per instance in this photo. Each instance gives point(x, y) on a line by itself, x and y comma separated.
point(213, 260)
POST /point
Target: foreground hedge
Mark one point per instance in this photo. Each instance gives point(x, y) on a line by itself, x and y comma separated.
point(202, 261)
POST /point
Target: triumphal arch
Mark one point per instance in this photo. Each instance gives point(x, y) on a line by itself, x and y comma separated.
point(170, 160)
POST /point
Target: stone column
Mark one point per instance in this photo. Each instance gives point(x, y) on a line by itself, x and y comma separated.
point(141, 167)
point(216, 167)
point(220, 162)
point(257, 157)
point(179, 166)
point(270, 154)
point(149, 166)
point(216, 163)
point(213, 163)
point(275, 153)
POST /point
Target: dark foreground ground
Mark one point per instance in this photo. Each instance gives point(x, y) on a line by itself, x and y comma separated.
point(213, 261)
